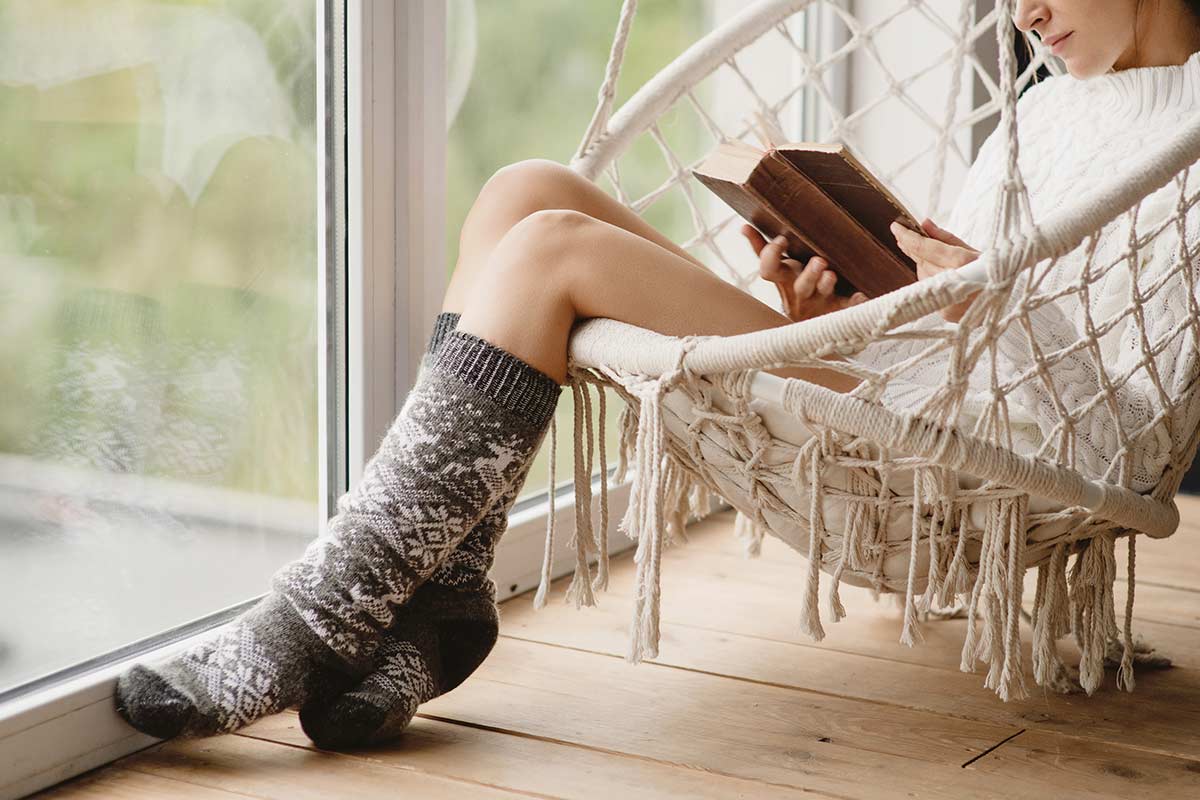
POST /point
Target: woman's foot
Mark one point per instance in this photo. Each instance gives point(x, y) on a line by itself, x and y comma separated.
point(263, 662)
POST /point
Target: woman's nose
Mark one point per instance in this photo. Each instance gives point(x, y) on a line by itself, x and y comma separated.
point(1028, 13)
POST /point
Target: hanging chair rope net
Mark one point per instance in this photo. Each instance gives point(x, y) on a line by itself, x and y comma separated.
point(923, 501)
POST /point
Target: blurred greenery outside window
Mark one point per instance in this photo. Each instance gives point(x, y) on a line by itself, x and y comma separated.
point(522, 81)
point(158, 321)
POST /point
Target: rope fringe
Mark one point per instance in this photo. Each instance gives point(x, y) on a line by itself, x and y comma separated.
point(666, 491)
point(749, 533)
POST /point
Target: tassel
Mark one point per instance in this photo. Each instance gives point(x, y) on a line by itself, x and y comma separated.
point(954, 584)
point(993, 591)
point(1125, 673)
point(1049, 615)
point(857, 516)
point(600, 583)
point(580, 590)
point(700, 500)
point(627, 425)
point(939, 530)
point(1012, 676)
point(883, 521)
point(910, 633)
point(970, 649)
point(1092, 591)
point(979, 649)
point(749, 533)
point(648, 492)
point(539, 599)
point(999, 586)
point(861, 515)
point(810, 614)
point(676, 501)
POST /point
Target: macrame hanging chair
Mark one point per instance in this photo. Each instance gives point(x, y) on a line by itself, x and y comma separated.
point(921, 501)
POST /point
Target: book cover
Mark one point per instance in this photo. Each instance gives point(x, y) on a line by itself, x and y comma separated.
point(824, 201)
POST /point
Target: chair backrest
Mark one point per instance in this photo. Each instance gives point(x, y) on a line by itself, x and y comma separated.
point(809, 70)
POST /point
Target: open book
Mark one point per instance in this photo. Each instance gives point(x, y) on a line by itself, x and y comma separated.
point(824, 201)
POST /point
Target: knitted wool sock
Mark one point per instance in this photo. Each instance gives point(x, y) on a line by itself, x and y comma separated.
point(448, 629)
point(476, 416)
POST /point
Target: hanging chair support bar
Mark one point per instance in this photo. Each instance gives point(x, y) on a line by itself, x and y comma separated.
point(700, 59)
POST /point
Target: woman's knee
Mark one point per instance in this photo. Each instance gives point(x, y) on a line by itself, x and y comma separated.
point(543, 240)
point(517, 190)
point(540, 253)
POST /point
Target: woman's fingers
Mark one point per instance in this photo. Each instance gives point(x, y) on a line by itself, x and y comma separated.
point(796, 283)
point(936, 231)
point(770, 261)
point(772, 266)
point(757, 242)
point(924, 248)
point(826, 283)
point(806, 282)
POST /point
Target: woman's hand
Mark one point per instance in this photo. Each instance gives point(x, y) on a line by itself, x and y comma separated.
point(806, 290)
point(935, 252)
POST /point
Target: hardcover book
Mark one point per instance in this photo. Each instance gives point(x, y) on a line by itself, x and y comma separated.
point(824, 201)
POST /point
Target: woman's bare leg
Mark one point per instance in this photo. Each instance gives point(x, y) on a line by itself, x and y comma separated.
point(555, 267)
point(518, 190)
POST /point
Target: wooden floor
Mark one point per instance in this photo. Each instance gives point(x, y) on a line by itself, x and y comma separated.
point(740, 704)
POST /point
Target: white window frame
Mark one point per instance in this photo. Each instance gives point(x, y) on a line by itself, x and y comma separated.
point(392, 222)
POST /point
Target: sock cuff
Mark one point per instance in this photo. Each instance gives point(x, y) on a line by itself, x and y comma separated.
point(445, 322)
point(510, 381)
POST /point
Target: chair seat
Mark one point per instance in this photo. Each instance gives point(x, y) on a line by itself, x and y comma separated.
point(721, 448)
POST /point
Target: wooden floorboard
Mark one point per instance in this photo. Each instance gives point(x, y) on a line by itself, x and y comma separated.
point(739, 703)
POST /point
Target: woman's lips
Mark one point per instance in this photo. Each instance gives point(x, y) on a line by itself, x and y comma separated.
point(1054, 48)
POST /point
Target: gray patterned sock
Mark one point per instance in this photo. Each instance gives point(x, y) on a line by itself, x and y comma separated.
point(447, 630)
point(442, 636)
point(472, 423)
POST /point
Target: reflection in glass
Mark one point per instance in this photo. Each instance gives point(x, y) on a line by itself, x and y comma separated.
point(158, 321)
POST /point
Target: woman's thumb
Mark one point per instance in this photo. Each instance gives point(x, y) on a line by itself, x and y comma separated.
point(946, 236)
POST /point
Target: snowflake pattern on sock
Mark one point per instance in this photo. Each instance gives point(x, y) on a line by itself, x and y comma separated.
point(454, 453)
point(238, 674)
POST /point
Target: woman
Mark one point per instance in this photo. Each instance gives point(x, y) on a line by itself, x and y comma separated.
point(395, 606)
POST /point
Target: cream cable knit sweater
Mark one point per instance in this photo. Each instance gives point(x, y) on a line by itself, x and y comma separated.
point(1073, 133)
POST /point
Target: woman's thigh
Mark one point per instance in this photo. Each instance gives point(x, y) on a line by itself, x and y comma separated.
point(518, 190)
point(554, 268)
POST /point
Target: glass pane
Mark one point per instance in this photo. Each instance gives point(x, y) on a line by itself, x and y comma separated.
point(158, 320)
point(514, 96)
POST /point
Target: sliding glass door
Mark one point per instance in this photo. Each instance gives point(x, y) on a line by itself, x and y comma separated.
point(163, 333)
